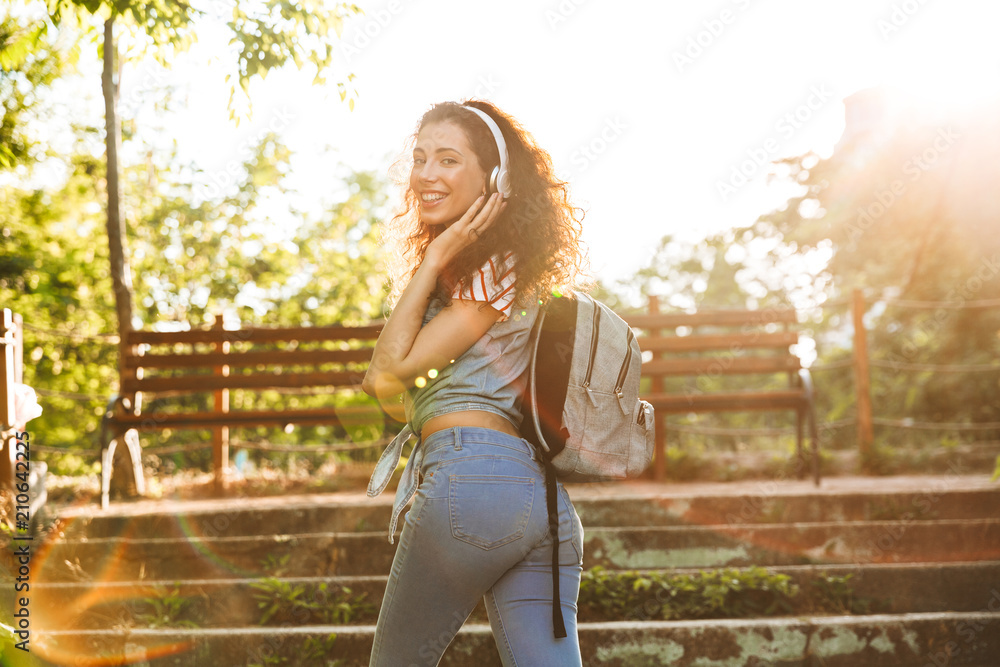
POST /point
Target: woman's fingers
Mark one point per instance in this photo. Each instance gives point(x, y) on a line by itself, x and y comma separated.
point(466, 230)
point(469, 217)
point(486, 215)
point(491, 215)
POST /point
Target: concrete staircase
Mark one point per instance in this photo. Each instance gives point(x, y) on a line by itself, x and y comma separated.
point(297, 580)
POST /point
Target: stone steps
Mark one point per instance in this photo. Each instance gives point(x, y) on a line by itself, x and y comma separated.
point(970, 639)
point(756, 503)
point(924, 551)
point(347, 554)
point(886, 588)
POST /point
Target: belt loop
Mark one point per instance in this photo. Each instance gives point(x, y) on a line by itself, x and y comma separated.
point(458, 438)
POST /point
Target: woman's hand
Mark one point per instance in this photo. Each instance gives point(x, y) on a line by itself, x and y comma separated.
point(405, 349)
point(466, 230)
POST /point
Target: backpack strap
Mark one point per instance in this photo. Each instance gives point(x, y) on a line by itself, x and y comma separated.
point(536, 334)
point(559, 627)
point(551, 490)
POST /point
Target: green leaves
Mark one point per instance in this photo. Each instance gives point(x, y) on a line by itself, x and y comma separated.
point(17, 42)
point(167, 609)
point(192, 258)
point(237, 254)
point(30, 60)
point(55, 276)
point(283, 602)
point(269, 35)
point(903, 209)
point(834, 594)
point(726, 593)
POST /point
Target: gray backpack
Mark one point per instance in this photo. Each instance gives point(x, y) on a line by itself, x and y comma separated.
point(582, 409)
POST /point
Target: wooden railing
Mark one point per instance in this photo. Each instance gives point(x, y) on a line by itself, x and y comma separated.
point(705, 347)
point(218, 360)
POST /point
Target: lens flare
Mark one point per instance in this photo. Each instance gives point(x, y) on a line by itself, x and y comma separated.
point(53, 615)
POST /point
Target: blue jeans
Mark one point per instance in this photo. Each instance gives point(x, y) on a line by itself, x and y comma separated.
point(478, 527)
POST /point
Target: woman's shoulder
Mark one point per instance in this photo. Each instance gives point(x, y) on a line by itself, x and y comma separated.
point(502, 267)
point(495, 282)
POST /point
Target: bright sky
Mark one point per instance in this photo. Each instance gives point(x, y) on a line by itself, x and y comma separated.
point(646, 107)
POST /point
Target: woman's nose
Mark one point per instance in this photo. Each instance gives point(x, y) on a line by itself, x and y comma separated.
point(427, 173)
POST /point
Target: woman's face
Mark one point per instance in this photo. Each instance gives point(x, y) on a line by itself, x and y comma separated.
point(446, 176)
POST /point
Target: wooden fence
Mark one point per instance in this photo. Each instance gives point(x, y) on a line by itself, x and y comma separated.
point(11, 373)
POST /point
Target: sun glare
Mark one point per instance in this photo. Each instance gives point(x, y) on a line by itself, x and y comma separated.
point(958, 72)
point(950, 91)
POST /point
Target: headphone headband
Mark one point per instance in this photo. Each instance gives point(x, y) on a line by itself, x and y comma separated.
point(500, 178)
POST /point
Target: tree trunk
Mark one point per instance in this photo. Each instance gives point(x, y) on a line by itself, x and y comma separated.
point(121, 276)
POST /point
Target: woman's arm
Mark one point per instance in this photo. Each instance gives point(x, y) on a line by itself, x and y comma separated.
point(405, 351)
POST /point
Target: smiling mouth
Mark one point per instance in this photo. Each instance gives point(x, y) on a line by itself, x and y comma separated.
point(432, 197)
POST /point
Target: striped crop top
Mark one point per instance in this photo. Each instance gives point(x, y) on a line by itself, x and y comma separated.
point(493, 283)
point(489, 375)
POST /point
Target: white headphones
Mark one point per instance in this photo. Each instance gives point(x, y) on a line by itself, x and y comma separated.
point(500, 178)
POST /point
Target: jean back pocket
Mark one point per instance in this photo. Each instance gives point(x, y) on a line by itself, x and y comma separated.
point(489, 511)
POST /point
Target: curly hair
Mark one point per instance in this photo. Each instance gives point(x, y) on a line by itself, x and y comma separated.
point(540, 225)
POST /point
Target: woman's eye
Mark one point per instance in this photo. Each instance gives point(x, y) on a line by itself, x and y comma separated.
point(418, 160)
point(448, 160)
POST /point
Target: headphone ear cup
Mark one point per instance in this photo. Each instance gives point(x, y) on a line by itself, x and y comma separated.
point(500, 178)
point(502, 181)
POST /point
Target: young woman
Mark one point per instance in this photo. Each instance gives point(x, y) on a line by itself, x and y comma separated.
point(475, 265)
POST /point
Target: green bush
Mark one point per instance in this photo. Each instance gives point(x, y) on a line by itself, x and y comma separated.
point(727, 593)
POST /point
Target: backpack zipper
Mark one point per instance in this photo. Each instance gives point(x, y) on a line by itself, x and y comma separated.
point(628, 357)
point(593, 345)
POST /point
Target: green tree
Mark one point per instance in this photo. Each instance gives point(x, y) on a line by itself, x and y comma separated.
point(51, 270)
point(55, 274)
point(230, 255)
point(192, 261)
point(270, 35)
point(27, 63)
point(905, 206)
point(194, 257)
point(227, 256)
point(732, 269)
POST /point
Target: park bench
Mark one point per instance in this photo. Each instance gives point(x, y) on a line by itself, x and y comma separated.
point(694, 353)
point(694, 346)
point(215, 361)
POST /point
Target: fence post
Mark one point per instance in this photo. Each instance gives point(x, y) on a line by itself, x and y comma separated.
point(8, 376)
point(220, 434)
point(18, 348)
point(659, 424)
point(862, 384)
